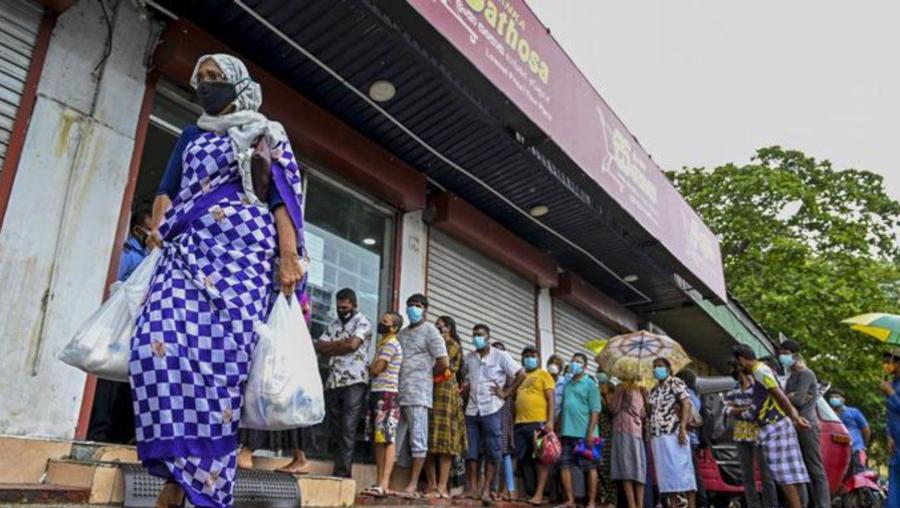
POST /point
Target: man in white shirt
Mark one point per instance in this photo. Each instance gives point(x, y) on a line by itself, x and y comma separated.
point(488, 371)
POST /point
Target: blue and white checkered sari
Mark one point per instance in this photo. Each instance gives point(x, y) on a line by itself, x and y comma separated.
point(196, 333)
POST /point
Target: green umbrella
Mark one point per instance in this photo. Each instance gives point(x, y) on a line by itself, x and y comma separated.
point(884, 327)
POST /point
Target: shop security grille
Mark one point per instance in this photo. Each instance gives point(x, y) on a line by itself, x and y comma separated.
point(473, 289)
point(252, 488)
point(19, 24)
point(572, 328)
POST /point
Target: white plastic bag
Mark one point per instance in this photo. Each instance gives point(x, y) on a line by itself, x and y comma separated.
point(284, 390)
point(102, 345)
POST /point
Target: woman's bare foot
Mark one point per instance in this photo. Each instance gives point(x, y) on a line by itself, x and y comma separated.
point(296, 467)
point(245, 459)
point(170, 496)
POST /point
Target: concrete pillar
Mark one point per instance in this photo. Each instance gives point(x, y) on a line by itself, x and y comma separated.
point(413, 257)
point(545, 324)
point(64, 208)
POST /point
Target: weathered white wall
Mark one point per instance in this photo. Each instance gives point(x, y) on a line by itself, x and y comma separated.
point(413, 257)
point(60, 225)
point(545, 324)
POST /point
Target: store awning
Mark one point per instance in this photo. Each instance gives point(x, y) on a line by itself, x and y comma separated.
point(449, 121)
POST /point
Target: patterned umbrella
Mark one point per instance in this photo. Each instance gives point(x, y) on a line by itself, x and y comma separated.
point(884, 327)
point(631, 356)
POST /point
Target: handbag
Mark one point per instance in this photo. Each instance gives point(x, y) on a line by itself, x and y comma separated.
point(547, 447)
point(745, 431)
point(261, 169)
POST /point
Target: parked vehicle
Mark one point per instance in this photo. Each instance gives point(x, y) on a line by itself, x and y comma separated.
point(719, 464)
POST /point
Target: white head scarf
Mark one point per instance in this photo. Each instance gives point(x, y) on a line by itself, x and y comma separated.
point(245, 124)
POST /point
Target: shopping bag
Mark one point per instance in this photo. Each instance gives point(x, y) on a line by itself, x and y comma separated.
point(102, 345)
point(284, 390)
point(548, 448)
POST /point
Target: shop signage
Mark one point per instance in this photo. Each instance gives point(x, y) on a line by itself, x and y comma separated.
point(511, 47)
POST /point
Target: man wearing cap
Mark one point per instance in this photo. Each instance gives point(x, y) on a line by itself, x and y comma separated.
point(778, 422)
point(891, 389)
point(534, 410)
point(857, 426)
point(802, 389)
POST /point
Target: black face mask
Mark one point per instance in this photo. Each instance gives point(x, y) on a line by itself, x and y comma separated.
point(345, 316)
point(215, 96)
point(383, 328)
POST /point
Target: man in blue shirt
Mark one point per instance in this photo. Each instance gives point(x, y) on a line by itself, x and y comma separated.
point(857, 426)
point(112, 418)
point(580, 413)
point(891, 389)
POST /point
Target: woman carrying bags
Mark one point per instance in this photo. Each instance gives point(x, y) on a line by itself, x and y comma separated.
point(229, 246)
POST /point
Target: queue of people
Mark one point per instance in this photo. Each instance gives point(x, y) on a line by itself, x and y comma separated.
point(432, 408)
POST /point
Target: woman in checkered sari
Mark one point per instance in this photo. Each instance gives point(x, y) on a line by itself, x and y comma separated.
point(216, 281)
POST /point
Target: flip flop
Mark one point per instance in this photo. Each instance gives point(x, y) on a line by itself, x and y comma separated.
point(374, 491)
point(298, 471)
point(535, 503)
point(409, 495)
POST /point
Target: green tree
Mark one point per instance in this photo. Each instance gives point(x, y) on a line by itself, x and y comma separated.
point(804, 246)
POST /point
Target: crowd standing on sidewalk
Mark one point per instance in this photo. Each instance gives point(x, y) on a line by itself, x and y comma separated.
point(425, 404)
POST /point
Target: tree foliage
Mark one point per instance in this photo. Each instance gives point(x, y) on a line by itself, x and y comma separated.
point(805, 246)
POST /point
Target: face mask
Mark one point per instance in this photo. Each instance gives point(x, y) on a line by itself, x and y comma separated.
point(786, 360)
point(568, 376)
point(577, 368)
point(530, 363)
point(553, 369)
point(836, 402)
point(215, 96)
point(383, 328)
point(480, 342)
point(660, 373)
point(414, 313)
point(602, 378)
point(345, 316)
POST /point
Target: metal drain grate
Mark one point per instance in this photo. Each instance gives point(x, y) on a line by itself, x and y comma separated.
point(252, 489)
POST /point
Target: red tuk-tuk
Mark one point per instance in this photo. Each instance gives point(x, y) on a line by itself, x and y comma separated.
point(719, 464)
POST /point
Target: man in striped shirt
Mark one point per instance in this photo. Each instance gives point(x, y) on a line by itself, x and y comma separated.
point(739, 405)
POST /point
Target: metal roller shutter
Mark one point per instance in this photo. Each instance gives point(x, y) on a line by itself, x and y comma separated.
point(473, 289)
point(572, 328)
point(19, 24)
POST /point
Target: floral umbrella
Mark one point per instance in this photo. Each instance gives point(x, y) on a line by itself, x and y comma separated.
point(630, 356)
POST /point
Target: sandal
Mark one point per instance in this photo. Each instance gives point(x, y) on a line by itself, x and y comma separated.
point(374, 491)
point(409, 495)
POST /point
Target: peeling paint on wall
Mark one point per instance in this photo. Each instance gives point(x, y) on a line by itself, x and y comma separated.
point(63, 213)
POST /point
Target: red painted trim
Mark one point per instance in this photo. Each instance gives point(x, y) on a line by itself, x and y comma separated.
point(451, 214)
point(314, 132)
point(23, 115)
point(577, 292)
point(398, 260)
point(140, 135)
point(57, 6)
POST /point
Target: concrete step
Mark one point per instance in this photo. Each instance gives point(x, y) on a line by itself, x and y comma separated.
point(105, 483)
point(43, 494)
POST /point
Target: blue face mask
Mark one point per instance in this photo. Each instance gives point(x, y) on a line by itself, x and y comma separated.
point(530, 363)
point(480, 342)
point(567, 376)
point(602, 378)
point(660, 373)
point(786, 360)
point(836, 402)
point(577, 368)
point(414, 313)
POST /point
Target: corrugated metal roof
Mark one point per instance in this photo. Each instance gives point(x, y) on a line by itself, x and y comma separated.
point(362, 45)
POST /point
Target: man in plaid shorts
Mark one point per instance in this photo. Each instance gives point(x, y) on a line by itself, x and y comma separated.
point(776, 418)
